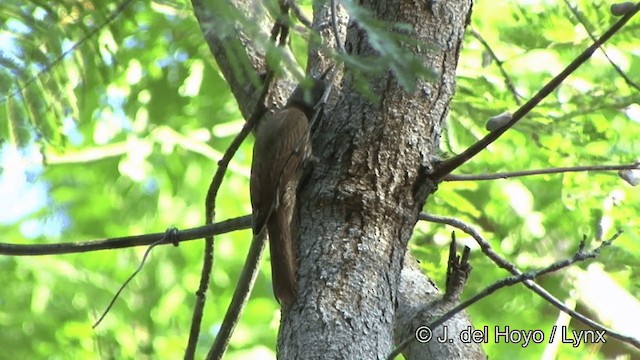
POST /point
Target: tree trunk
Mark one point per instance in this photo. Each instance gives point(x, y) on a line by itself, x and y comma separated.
point(365, 192)
point(361, 201)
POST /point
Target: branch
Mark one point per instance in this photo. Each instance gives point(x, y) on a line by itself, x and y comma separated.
point(212, 194)
point(237, 57)
point(417, 292)
point(583, 22)
point(447, 166)
point(169, 238)
point(330, 22)
point(504, 264)
point(243, 222)
point(279, 28)
point(506, 175)
point(240, 297)
point(580, 255)
point(494, 56)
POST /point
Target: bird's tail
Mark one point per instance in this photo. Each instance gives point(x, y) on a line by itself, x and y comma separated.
point(283, 260)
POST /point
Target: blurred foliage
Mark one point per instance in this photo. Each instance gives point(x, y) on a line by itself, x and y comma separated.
point(122, 136)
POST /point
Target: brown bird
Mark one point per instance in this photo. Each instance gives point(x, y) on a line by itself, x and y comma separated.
point(281, 147)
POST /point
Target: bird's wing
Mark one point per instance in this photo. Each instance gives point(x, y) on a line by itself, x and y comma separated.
point(280, 149)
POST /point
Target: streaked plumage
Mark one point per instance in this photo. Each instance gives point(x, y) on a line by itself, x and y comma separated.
point(281, 147)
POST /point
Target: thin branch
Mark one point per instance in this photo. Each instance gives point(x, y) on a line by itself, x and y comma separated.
point(507, 79)
point(118, 10)
point(504, 264)
point(447, 166)
point(240, 297)
point(210, 215)
point(615, 66)
point(239, 223)
point(279, 28)
point(580, 255)
point(250, 268)
point(169, 236)
point(506, 175)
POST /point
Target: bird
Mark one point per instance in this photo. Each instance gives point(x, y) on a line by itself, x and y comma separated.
point(281, 148)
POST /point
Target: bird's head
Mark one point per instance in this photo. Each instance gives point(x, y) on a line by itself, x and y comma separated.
point(307, 95)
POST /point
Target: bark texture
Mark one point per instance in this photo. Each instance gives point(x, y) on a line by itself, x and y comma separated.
point(362, 197)
point(368, 187)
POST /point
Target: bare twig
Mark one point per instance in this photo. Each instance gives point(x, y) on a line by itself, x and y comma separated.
point(507, 79)
point(168, 238)
point(615, 66)
point(506, 175)
point(447, 166)
point(210, 212)
point(504, 264)
point(282, 30)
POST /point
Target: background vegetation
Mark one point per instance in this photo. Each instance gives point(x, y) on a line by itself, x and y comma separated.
point(122, 136)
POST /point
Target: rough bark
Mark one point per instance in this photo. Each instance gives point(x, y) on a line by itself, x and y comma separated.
point(368, 187)
point(363, 196)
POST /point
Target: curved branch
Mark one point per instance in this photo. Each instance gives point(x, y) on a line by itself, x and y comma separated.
point(580, 255)
point(504, 264)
